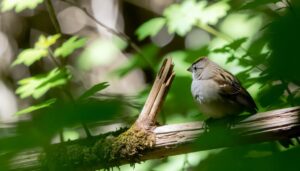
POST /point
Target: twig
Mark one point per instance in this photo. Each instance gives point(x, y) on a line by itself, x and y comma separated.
point(67, 92)
point(55, 23)
point(121, 35)
point(52, 15)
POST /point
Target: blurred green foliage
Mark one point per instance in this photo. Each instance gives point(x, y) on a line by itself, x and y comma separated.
point(70, 46)
point(38, 85)
point(36, 107)
point(40, 50)
point(150, 28)
point(19, 5)
point(258, 41)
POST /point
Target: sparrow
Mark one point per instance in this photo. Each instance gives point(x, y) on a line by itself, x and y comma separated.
point(217, 92)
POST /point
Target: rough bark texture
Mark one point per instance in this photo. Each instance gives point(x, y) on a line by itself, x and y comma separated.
point(189, 137)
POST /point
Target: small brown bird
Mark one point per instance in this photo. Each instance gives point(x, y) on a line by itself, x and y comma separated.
point(217, 91)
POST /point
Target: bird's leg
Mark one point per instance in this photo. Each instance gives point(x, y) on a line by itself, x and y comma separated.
point(231, 121)
point(206, 124)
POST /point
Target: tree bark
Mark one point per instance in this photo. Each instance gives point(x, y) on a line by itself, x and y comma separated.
point(195, 136)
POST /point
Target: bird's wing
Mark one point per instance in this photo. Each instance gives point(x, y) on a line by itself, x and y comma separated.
point(231, 89)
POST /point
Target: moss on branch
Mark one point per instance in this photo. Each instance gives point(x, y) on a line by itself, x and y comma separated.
point(109, 150)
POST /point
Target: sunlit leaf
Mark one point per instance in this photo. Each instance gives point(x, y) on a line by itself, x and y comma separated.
point(29, 56)
point(150, 28)
point(93, 90)
point(70, 46)
point(36, 107)
point(40, 50)
point(37, 86)
point(214, 12)
point(19, 5)
point(45, 42)
point(182, 17)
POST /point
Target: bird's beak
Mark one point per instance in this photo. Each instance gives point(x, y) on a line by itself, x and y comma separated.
point(189, 69)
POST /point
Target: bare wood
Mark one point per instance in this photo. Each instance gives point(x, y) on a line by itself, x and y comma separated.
point(147, 117)
point(189, 137)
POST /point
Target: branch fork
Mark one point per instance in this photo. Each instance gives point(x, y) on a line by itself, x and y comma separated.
point(131, 144)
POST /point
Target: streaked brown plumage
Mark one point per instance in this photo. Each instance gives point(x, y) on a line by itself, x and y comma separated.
point(217, 91)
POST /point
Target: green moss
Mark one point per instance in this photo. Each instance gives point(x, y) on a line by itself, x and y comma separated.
point(104, 152)
point(130, 145)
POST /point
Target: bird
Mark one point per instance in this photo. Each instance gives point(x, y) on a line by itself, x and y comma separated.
point(218, 93)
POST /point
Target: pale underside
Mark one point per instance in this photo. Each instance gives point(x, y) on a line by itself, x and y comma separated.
point(211, 103)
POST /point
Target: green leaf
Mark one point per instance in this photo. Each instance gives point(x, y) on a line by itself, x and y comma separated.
point(214, 12)
point(29, 56)
point(40, 50)
point(36, 107)
point(237, 43)
point(150, 28)
point(93, 90)
point(70, 46)
point(37, 86)
point(46, 42)
point(231, 46)
point(19, 5)
point(182, 17)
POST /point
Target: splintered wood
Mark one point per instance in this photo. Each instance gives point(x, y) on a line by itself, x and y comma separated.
point(164, 78)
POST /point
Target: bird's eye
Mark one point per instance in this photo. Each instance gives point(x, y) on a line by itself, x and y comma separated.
point(194, 68)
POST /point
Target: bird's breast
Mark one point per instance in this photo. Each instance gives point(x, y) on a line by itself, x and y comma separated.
point(205, 90)
point(211, 104)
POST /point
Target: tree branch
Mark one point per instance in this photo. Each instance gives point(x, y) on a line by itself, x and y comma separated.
point(190, 137)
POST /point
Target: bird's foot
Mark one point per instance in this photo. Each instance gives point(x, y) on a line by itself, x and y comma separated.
point(206, 124)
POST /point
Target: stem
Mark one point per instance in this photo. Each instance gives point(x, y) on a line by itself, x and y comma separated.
point(67, 92)
point(215, 32)
point(55, 23)
point(54, 60)
point(53, 16)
